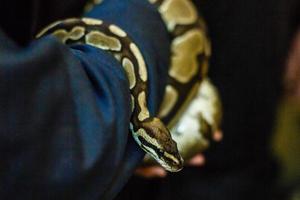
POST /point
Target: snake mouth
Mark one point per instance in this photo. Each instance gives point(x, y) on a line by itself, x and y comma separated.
point(168, 161)
point(174, 167)
point(169, 164)
point(175, 163)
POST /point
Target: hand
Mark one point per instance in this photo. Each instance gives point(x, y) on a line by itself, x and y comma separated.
point(158, 172)
point(292, 82)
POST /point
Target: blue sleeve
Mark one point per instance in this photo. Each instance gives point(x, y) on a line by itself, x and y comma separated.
point(65, 112)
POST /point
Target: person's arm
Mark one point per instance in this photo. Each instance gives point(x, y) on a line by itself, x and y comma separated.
point(64, 121)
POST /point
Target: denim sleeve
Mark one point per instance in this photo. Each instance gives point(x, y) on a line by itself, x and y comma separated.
point(65, 111)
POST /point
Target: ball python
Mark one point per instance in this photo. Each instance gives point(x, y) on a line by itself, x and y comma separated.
point(201, 117)
point(190, 51)
point(191, 106)
point(149, 132)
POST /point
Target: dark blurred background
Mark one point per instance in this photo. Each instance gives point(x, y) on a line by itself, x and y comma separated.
point(286, 140)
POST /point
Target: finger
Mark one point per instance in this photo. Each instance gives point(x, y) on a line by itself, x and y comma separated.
point(218, 135)
point(197, 160)
point(151, 172)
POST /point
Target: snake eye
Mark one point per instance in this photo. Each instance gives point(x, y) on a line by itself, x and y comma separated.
point(172, 158)
point(161, 152)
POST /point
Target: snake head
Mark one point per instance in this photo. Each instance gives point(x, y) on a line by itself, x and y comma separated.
point(156, 140)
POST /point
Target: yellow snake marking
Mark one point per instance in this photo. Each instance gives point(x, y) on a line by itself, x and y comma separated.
point(75, 34)
point(61, 35)
point(131, 126)
point(152, 1)
point(170, 156)
point(132, 102)
point(144, 113)
point(129, 69)
point(184, 62)
point(169, 100)
point(46, 29)
point(210, 106)
point(181, 12)
point(141, 132)
point(70, 20)
point(142, 66)
point(90, 21)
point(103, 41)
point(117, 31)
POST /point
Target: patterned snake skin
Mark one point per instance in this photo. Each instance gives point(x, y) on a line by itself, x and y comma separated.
point(190, 51)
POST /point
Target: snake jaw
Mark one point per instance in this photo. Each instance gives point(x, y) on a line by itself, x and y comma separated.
point(156, 140)
point(166, 160)
point(174, 165)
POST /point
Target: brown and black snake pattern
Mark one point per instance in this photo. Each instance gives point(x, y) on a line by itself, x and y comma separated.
point(190, 52)
point(149, 132)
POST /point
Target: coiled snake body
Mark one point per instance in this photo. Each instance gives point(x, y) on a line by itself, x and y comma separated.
point(190, 51)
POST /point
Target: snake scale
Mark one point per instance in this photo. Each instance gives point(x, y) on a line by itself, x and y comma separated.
point(190, 50)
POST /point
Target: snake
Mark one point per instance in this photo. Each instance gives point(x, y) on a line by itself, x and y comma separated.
point(190, 52)
point(149, 132)
point(191, 105)
point(202, 116)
